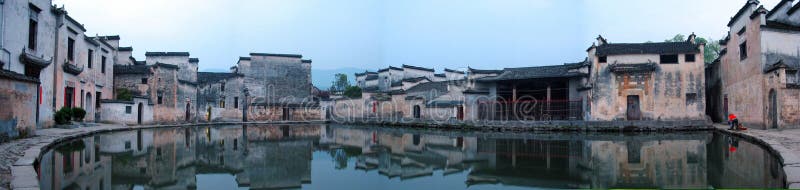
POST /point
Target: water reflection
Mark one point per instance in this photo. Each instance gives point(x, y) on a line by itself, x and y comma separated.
point(324, 157)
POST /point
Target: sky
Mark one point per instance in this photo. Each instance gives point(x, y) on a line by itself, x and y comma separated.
point(353, 35)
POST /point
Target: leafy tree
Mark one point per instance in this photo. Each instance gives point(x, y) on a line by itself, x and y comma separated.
point(352, 92)
point(124, 94)
point(711, 49)
point(677, 38)
point(340, 83)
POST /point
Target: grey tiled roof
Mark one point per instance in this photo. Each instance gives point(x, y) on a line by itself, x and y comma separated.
point(372, 77)
point(131, 69)
point(775, 61)
point(417, 68)
point(305, 61)
point(211, 77)
point(277, 55)
point(647, 48)
point(439, 75)
point(415, 79)
point(553, 71)
point(453, 71)
point(632, 68)
point(16, 76)
point(168, 66)
point(125, 48)
point(781, 26)
point(166, 54)
point(444, 103)
point(429, 86)
point(194, 60)
point(484, 71)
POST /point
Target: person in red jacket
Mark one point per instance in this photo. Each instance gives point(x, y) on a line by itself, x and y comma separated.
point(733, 122)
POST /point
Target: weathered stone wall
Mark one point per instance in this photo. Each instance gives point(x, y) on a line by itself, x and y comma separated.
point(187, 98)
point(275, 113)
point(211, 95)
point(15, 42)
point(117, 111)
point(671, 92)
point(18, 101)
point(133, 83)
point(164, 83)
point(742, 79)
point(276, 78)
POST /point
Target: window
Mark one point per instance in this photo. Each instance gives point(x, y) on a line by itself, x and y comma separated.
point(689, 57)
point(791, 77)
point(70, 49)
point(144, 80)
point(160, 99)
point(743, 51)
point(691, 98)
point(602, 59)
point(741, 31)
point(222, 103)
point(222, 87)
point(235, 102)
point(33, 26)
point(127, 145)
point(667, 59)
point(128, 109)
point(89, 59)
point(103, 64)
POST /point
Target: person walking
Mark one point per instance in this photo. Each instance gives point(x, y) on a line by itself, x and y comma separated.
point(733, 122)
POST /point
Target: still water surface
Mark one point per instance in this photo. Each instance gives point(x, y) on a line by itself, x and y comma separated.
point(346, 157)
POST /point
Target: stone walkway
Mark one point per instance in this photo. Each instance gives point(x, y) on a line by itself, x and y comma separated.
point(785, 143)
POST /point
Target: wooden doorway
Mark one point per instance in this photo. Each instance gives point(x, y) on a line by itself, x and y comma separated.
point(139, 112)
point(772, 115)
point(633, 112)
point(460, 113)
point(417, 111)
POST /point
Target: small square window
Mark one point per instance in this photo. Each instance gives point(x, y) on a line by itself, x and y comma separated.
point(691, 98)
point(602, 59)
point(128, 109)
point(669, 59)
point(127, 145)
point(690, 57)
point(144, 80)
point(743, 51)
point(160, 99)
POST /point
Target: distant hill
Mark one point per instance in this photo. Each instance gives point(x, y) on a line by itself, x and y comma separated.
point(321, 78)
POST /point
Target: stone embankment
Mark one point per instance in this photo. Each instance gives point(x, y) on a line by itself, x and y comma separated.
point(785, 144)
point(518, 125)
point(18, 156)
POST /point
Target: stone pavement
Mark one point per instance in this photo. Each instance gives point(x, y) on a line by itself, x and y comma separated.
point(785, 143)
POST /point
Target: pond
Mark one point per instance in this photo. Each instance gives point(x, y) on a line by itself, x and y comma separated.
point(362, 157)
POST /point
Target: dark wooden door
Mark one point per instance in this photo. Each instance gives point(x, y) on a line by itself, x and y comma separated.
point(460, 113)
point(417, 112)
point(773, 109)
point(634, 112)
point(139, 113)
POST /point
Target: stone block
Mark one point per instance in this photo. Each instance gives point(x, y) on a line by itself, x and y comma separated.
point(23, 177)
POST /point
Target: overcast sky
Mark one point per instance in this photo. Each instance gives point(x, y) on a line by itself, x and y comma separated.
point(490, 34)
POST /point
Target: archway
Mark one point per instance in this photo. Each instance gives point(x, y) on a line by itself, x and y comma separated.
point(417, 111)
point(139, 112)
point(772, 115)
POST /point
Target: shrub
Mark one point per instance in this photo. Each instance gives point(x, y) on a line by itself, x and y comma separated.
point(352, 92)
point(124, 94)
point(78, 114)
point(63, 116)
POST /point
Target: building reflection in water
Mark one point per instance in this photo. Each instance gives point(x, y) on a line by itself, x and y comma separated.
point(281, 157)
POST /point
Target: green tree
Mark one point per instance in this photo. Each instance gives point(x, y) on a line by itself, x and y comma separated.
point(352, 92)
point(677, 38)
point(711, 49)
point(339, 83)
point(124, 94)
